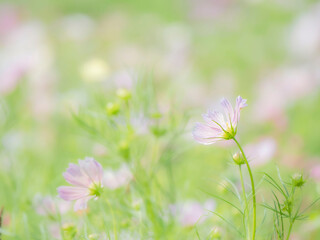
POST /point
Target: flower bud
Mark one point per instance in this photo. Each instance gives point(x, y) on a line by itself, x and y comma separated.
point(238, 158)
point(156, 115)
point(157, 131)
point(69, 230)
point(124, 149)
point(123, 93)
point(287, 206)
point(112, 108)
point(93, 236)
point(297, 180)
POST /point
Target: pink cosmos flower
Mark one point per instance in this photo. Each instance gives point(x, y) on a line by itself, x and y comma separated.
point(217, 126)
point(87, 181)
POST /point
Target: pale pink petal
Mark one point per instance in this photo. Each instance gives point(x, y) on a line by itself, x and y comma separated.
point(72, 193)
point(81, 203)
point(228, 110)
point(92, 168)
point(218, 118)
point(211, 123)
point(205, 134)
point(240, 103)
point(75, 176)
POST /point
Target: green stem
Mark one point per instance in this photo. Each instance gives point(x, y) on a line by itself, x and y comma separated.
point(246, 203)
point(290, 228)
point(113, 220)
point(291, 220)
point(254, 203)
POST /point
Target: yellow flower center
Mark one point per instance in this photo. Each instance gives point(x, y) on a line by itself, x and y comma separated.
point(96, 190)
point(229, 132)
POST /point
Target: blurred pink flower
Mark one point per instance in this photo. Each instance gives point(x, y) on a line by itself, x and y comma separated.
point(209, 9)
point(11, 74)
point(279, 89)
point(55, 230)
point(315, 173)
point(217, 126)
point(87, 181)
point(191, 212)
point(9, 18)
point(261, 152)
point(123, 79)
point(49, 206)
point(76, 27)
point(304, 38)
point(114, 179)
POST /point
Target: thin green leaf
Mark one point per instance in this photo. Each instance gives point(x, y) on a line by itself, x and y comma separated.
point(229, 224)
point(222, 199)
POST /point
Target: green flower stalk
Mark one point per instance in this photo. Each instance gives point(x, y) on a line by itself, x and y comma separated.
point(223, 127)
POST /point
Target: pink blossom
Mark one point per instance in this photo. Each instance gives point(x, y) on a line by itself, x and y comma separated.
point(49, 206)
point(304, 39)
point(115, 179)
point(217, 126)
point(191, 212)
point(9, 19)
point(87, 180)
point(280, 89)
point(261, 152)
point(315, 173)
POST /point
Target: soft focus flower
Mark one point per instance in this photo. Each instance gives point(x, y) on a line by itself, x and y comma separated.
point(115, 179)
point(9, 19)
point(95, 70)
point(87, 181)
point(217, 126)
point(77, 27)
point(54, 230)
point(123, 93)
point(112, 108)
point(123, 79)
point(315, 173)
point(49, 206)
point(304, 39)
point(279, 89)
point(261, 152)
point(191, 212)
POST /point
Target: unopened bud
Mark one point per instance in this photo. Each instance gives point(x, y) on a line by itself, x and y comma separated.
point(112, 108)
point(93, 236)
point(123, 93)
point(156, 115)
point(238, 159)
point(69, 230)
point(297, 180)
point(124, 149)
